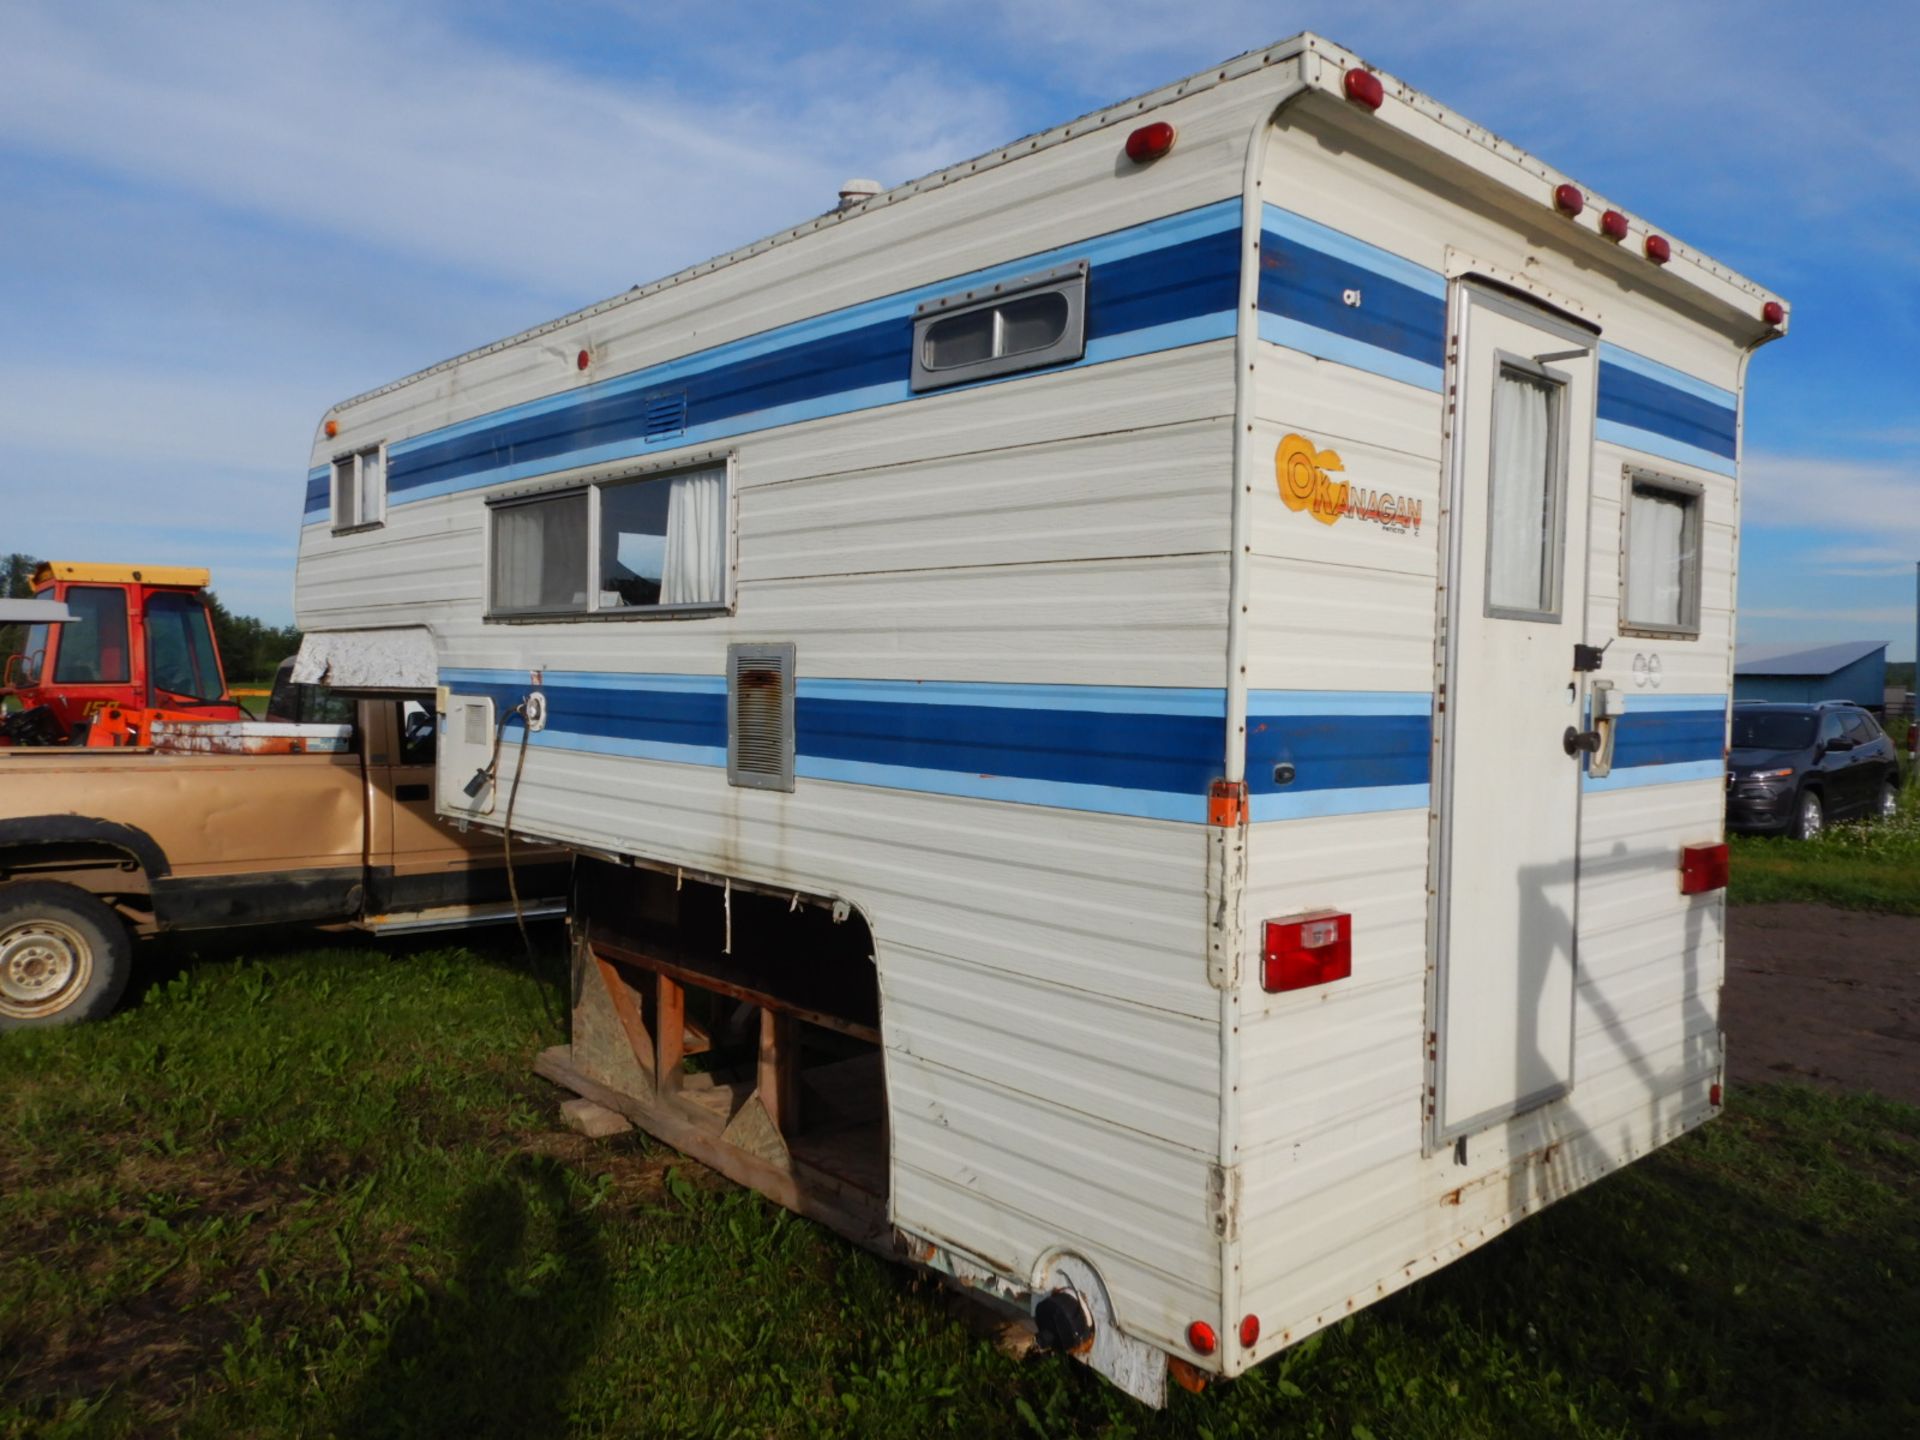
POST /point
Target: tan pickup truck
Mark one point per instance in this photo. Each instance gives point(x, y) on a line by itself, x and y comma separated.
point(99, 846)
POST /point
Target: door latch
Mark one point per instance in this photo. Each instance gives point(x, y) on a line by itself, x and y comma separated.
point(1588, 657)
point(1581, 741)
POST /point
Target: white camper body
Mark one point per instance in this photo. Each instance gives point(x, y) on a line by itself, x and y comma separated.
point(1222, 559)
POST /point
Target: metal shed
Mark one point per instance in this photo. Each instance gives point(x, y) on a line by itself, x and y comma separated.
point(1854, 670)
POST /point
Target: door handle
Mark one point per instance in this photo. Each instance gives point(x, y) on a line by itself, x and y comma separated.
point(412, 792)
point(1578, 742)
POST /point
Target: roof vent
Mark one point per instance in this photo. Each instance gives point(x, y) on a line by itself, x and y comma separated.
point(852, 192)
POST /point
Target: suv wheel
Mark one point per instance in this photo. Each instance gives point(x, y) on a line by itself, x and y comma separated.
point(64, 956)
point(1888, 804)
point(1809, 816)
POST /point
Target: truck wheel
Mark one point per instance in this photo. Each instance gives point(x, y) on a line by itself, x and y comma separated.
point(64, 956)
point(1809, 816)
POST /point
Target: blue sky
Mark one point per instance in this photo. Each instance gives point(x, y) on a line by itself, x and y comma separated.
point(219, 219)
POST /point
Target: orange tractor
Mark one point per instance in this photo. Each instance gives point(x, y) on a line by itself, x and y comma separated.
point(138, 648)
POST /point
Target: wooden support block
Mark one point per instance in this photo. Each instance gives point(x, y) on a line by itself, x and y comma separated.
point(669, 1033)
point(780, 1071)
point(628, 1009)
point(592, 1119)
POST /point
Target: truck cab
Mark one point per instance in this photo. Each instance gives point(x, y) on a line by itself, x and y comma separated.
point(140, 638)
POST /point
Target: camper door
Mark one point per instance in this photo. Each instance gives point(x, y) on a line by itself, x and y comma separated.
point(1508, 805)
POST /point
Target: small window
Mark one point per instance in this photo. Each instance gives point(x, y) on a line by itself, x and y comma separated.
point(655, 544)
point(360, 489)
point(416, 733)
point(1861, 729)
point(1661, 590)
point(181, 659)
point(1000, 329)
point(1525, 478)
point(1832, 726)
point(93, 645)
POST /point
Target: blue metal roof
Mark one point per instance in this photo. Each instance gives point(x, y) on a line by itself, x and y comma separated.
point(1820, 660)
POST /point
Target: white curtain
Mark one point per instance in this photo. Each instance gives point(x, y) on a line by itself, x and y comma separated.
point(1520, 522)
point(696, 558)
point(540, 555)
point(1657, 563)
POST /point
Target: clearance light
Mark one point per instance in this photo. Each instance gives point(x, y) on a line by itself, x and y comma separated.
point(333, 428)
point(582, 360)
point(1713, 1095)
point(1658, 250)
point(1150, 142)
point(1613, 225)
point(1774, 313)
point(1249, 1331)
point(1307, 950)
point(1568, 200)
point(1201, 1337)
point(1364, 88)
point(1703, 868)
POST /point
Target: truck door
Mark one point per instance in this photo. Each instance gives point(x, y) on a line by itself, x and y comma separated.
point(1508, 794)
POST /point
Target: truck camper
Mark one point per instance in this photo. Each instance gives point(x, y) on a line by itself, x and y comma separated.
point(1150, 704)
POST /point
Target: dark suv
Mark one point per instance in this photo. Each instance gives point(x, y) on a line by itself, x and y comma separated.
point(1792, 768)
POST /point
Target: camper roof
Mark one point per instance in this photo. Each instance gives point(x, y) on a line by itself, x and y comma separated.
point(1412, 113)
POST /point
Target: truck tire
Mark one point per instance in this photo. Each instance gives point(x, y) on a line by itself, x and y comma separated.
point(64, 956)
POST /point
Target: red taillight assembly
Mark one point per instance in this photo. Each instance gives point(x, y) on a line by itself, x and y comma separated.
point(1363, 87)
point(1658, 250)
point(1201, 1337)
point(1150, 142)
point(1613, 225)
point(1713, 1095)
point(1568, 200)
point(1306, 950)
point(1774, 313)
point(1703, 868)
point(1249, 1331)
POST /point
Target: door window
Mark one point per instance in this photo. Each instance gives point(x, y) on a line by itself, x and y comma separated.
point(1832, 726)
point(416, 733)
point(1525, 479)
point(93, 645)
point(1861, 729)
point(180, 654)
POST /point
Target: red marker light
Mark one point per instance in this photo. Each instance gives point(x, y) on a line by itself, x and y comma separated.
point(1306, 950)
point(1568, 200)
point(1364, 88)
point(1713, 1095)
point(1703, 868)
point(1201, 1337)
point(1249, 1331)
point(1150, 142)
point(582, 360)
point(1774, 313)
point(1613, 225)
point(1658, 250)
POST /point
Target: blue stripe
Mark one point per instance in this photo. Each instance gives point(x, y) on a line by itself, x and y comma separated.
point(1679, 379)
point(1303, 283)
point(1648, 443)
point(1637, 776)
point(1668, 737)
point(1375, 743)
point(1172, 282)
point(1313, 804)
point(1640, 402)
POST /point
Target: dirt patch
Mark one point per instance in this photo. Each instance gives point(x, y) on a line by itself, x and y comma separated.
point(1831, 997)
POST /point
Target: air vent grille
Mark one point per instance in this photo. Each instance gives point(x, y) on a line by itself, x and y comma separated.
point(665, 414)
point(760, 716)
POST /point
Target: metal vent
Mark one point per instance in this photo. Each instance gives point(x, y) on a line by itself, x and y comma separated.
point(760, 716)
point(665, 414)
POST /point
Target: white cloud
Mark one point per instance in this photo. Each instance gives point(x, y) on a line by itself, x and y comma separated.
point(1869, 498)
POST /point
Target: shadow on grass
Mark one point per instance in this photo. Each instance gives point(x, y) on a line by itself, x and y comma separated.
point(493, 1352)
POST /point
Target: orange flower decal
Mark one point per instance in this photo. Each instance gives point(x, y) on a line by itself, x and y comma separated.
point(1304, 483)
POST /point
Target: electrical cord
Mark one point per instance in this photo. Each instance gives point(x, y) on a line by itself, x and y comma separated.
point(479, 782)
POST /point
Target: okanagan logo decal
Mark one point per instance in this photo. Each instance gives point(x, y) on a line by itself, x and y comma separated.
point(1306, 482)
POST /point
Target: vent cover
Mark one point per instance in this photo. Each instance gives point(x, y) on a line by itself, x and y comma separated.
point(760, 716)
point(664, 414)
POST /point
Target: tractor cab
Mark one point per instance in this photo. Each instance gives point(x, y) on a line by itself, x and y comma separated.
point(138, 640)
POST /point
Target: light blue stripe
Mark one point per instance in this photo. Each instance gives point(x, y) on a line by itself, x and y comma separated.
point(633, 749)
point(1339, 702)
point(1117, 245)
point(1106, 799)
point(1640, 702)
point(1633, 776)
point(1667, 375)
point(1325, 345)
point(1312, 804)
point(1329, 241)
point(593, 680)
point(1614, 433)
point(1117, 699)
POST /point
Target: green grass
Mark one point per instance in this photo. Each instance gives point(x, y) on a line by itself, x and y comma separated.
point(1860, 865)
point(320, 1194)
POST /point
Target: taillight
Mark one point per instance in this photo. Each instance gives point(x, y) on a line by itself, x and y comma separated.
point(1200, 1335)
point(1703, 868)
point(1305, 950)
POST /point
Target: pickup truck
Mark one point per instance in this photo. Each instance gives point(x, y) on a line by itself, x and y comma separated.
point(101, 846)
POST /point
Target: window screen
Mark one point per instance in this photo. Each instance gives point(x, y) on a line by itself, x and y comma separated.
point(1523, 510)
point(93, 645)
point(996, 330)
point(1662, 590)
point(540, 555)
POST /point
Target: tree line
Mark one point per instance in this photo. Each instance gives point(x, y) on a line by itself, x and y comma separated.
point(250, 649)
